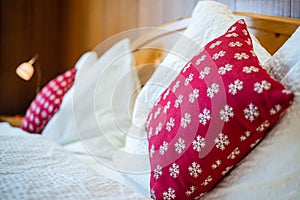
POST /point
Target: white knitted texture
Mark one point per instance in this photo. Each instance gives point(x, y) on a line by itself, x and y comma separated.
point(32, 167)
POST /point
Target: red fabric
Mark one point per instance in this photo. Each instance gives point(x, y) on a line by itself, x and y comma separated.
point(215, 111)
point(47, 102)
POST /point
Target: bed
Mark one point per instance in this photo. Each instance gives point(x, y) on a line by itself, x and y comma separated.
point(102, 150)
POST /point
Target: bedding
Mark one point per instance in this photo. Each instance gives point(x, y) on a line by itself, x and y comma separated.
point(34, 167)
point(57, 128)
point(214, 112)
point(88, 166)
point(204, 26)
point(94, 113)
point(47, 102)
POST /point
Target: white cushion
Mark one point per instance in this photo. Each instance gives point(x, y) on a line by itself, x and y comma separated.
point(285, 57)
point(100, 101)
point(61, 127)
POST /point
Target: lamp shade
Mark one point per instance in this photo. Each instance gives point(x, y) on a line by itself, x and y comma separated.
point(25, 71)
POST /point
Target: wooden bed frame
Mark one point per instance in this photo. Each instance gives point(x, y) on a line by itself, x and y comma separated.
point(271, 32)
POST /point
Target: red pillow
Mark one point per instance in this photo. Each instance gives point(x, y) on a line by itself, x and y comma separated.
point(47, 102)
point(216, 110)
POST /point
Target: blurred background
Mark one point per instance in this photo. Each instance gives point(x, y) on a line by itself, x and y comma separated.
point(60, 31)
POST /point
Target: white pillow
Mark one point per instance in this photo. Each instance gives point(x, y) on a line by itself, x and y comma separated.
point(101, 99)
point(209, 20)
point(61, 127)
point(285, 57)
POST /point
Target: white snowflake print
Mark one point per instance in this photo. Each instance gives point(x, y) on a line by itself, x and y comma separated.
point(166, 94)
point(179, 145)
point(235, 44)
point(158, 128)
point(204, 73)
point(234, 153)
point(157, 100)
point(248, 41)
point(260, 87)
point(199, 143)
point(174, 170)
point(255, 143)
point(286, 91)
point(214, 89)
point(152, 150)
point(222, 141)
point(207, 181)
point(217, 43)
point(245, 136)
point(216, 164)
point(189, 79)
point(204, 117)
point(185, 120)
point(157, 172)
point(163, 148)
point(157, 112)
point(226, 170)
point(170, 124)
point(263, 126)
point(241, 56)
point(178, 101)
point(194, 95)
point(176, 86)
point(202, 58)
point(231, 35)
point(222, 70)
point(195, 170)
point(226, 113)
point(150, 132)
point(149, 120)
point(275, 110)
point(251, 112)
point(253, 53)
point(186, 67)
point(232, 29)
point(152, 194)
point(166, 108)
point(234, 87)
point(250, 69)
point(245, 32)
point(241, 21)
point(170, 194)
point(219, 54)
point(199, 197)
point(191, 190)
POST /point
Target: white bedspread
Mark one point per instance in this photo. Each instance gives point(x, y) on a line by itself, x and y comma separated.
point(33, 167)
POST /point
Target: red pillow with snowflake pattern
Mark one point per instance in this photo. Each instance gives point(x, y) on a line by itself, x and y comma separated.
point(47, 102)
point(216, 110)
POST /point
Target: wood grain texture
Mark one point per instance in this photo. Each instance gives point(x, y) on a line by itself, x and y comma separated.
point(283, 8)
point(230, 3)
point(61, 31)
point(274, 7)
point(271, 31)
point(27, 27)
point(295, 8)
point(150, 13)
point(174, 9)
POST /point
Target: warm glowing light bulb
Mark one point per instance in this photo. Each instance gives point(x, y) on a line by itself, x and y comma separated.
point(25, 71)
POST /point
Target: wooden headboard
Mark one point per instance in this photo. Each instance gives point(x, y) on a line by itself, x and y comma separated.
point(271, 32)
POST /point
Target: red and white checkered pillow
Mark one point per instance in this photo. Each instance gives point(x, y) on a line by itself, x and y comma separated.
point(216, 110)
point(47, 102)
